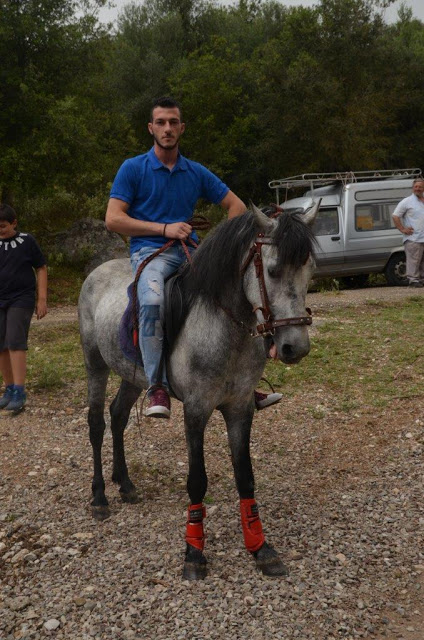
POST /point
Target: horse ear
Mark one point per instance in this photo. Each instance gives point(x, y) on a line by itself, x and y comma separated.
point(263, 221)
point(311, 213)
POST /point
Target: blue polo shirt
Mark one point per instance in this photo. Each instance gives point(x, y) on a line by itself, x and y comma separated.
point(156, 194)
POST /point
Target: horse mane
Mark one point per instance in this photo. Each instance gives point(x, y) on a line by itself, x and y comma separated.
point(217, 262)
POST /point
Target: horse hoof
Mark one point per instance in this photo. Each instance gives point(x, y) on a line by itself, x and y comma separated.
point(101, 512)
point(268, 561)
point(194, 571)
point(131, 498)
point(273, 568)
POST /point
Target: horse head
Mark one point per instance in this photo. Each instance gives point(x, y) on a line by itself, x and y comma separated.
point(277, 272)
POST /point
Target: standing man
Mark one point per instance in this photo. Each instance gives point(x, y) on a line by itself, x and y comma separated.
point(409, 219)
point(152, 197)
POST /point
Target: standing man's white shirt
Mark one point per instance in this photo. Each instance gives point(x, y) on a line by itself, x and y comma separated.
point(411, 211)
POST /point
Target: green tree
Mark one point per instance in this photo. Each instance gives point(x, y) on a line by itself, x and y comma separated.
point(53, 129)
point(323, 83)
point(405, 57)
point(213, 87)
point(267, 90)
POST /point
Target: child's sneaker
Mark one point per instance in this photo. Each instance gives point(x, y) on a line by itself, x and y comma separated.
point(17, 402)
point(6, 397)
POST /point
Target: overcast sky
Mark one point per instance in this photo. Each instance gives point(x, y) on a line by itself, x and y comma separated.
point(110, 15)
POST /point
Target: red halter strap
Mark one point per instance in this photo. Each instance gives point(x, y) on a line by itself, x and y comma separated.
point(268, 327)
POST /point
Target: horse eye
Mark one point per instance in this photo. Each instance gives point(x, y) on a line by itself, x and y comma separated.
point(273, 272)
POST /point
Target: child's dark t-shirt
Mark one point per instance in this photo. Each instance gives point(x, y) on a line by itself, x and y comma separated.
point(19, 256)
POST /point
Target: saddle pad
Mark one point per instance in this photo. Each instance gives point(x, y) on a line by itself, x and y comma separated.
point(175, 305)
point(126, 327)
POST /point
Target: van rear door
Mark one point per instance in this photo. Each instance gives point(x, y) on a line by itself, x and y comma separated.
point(371, 237)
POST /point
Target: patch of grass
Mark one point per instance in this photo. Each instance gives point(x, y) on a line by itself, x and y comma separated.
point(347, 405)
point(317, 412)
point(327, 327)
point(325, 285)
point(55, 357)
point(378, 303)
point(377, 280)
point(11, 517)
point(365, 355)
point(362, 355)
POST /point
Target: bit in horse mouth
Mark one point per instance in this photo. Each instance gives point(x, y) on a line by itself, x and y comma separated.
point(270, 347)
point(273, 353)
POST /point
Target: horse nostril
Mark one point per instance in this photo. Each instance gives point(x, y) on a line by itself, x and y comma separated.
point(287, 350)
point(292, 353)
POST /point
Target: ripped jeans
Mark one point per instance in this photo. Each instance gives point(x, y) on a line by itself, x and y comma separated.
point(151, 300)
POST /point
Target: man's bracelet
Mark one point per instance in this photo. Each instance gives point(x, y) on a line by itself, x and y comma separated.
point(164, 227)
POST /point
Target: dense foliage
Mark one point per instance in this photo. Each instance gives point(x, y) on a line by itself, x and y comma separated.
point(267, 91)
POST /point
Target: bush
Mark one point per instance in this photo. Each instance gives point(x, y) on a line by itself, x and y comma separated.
point(58, 209)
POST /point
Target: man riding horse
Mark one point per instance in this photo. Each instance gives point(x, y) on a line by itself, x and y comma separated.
point(152, 200)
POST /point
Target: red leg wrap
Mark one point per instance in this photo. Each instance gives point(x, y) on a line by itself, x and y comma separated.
point(252, 526)
point(194, 528)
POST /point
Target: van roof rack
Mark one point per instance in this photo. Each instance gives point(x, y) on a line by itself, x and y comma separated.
point(343, 177)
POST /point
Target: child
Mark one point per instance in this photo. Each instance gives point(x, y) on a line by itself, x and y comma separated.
point(19, 256)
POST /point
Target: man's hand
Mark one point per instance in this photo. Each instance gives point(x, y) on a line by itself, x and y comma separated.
point(407, 231)
point(178, 230)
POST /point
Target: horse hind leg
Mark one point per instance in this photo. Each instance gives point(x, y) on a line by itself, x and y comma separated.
point(97, 381)
point(119, 412)
point(238, 427)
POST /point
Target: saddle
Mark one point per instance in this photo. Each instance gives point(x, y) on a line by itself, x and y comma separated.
point(175, 313)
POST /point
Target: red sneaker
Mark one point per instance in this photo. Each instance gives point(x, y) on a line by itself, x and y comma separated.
point(159, 403)
point(263, 400)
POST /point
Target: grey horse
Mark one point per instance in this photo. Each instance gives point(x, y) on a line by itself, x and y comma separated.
point(243, 300)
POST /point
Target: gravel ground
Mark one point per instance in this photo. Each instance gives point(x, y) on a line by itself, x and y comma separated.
point(340, 498)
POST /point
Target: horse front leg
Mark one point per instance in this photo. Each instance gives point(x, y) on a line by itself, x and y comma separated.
point(239, 425)
point(197, 482)
point(119, 413)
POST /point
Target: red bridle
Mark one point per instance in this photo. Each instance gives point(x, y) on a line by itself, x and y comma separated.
point(268, 327)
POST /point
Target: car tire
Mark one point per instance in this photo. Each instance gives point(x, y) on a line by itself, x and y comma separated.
point(395, 271)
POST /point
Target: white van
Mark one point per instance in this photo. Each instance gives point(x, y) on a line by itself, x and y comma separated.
point(354, 226)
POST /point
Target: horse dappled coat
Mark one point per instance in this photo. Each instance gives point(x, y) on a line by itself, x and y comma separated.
point(231, 292)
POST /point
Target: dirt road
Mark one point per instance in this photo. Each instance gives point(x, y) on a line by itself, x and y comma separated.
point(341, 497)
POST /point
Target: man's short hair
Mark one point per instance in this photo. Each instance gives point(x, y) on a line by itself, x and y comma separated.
point(7, 214)
point(165, 102)
point(417, 180)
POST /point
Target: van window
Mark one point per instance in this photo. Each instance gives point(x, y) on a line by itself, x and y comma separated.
point(381, 194)
point(326, 223)
point(374, 217)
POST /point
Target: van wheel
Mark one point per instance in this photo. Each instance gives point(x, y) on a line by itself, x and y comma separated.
point(355, 282)
point(395, 271)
